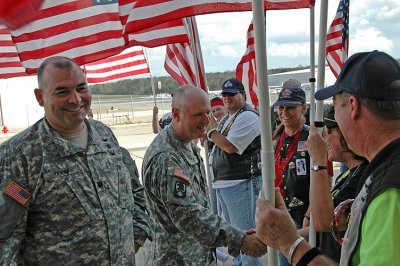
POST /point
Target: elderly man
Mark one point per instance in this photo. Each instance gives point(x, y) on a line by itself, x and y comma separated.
point(186, 230)
point(366, 97)
point(236, 161)
point(69, 197)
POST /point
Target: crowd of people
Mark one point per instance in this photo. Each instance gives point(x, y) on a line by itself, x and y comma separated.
point(71, 194)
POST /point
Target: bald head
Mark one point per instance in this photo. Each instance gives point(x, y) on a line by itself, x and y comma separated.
point(59, 62)
point(190, 108)
point(186, 94)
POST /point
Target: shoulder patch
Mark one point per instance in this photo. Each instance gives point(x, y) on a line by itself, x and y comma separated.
point(17, 192)
point(178, 172)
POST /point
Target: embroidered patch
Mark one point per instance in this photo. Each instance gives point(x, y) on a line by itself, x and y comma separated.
point(295, 203)
point(178, 172)
point(180, 189)
point(17, 192)
point(301, 166)
point(302, 145)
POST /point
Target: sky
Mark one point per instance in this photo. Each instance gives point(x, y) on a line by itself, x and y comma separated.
point(374, 25)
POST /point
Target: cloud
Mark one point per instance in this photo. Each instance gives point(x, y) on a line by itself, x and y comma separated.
point(373, 25)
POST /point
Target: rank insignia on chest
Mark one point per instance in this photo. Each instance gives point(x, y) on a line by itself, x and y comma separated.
point(180, 189)
point(302, 145)
point(17, 192)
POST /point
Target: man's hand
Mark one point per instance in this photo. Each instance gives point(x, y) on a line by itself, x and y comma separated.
point(317, 147)
point(252, 246)
point(275, 226)
point(155, 110)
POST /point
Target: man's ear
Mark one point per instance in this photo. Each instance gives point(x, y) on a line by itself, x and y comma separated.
point(39, 97)
point(355, 107)
point(175, 113)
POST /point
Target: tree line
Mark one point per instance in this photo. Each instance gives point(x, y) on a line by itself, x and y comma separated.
point(142, 86)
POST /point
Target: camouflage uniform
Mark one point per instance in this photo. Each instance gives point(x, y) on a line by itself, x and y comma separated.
point(81, 206)
point(185, 229)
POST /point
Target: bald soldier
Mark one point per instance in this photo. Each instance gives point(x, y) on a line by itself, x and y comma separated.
point(69, 196)
point(186, 231)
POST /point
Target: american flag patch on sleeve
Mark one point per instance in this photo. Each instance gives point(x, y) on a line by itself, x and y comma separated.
point(178, 172)
point(17, 192)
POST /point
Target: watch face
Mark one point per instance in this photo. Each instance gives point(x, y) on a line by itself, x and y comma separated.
point(315, 167)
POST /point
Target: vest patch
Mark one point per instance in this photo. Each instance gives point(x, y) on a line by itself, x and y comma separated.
point(295, 203)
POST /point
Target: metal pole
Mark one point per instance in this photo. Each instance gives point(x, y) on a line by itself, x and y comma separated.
point(312, 234)
point(133, 115)
point(1, 111)
point(267, 152)
point(151, 76)
point(99, 108)
point(320, 84)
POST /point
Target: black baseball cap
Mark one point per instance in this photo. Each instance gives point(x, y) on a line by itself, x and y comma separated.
point(232, 85)
point(373, 75)
point(329, 119)
point(291, 94)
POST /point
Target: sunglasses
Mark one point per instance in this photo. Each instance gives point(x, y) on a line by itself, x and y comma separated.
point(339, 210)
point(226, 94)
point(285, 146)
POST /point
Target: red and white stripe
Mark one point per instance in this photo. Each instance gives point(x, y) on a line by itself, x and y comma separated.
point(10, 64)
point(130, 62)
point(78, 29)
point(180, 63)
point(246, 69)
point(169, 32)
point(150, 13)
point(15, 14)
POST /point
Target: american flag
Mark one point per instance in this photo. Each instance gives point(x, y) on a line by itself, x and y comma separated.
point(15, 14)
point(246, 69)
point(10, 65)
point(169, 32)
point(83, 30)
point(150, 13)
point(87, 31)
point(337, 38)
point(17, 192)
point(128, 63)
point(179, 61)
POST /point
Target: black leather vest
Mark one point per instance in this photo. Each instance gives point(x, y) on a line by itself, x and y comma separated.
point(296, 187)
point(234, 166)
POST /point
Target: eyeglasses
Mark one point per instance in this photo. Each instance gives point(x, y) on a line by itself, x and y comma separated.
point(226, 94)
point(285, 145)
point(339, 210)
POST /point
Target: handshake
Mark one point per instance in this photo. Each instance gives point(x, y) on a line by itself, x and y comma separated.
point(252, 245)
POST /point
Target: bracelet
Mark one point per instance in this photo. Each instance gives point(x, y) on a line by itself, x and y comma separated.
point(309, 256)
point(306, 216)
point(210, 132)
point(293, 248)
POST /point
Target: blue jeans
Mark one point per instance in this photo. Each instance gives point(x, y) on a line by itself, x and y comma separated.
point(238, 204)
point(282, 259)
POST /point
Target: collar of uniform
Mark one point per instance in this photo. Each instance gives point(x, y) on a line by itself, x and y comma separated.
point(181, 147)
point(64, 147)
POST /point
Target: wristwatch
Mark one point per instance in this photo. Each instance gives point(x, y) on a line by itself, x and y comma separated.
point(318, 167)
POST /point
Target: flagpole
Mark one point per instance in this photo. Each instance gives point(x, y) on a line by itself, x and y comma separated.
point(267, 152)
point(196, 50)
point(151, 76)
point(311, 232)
point(320, 84)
